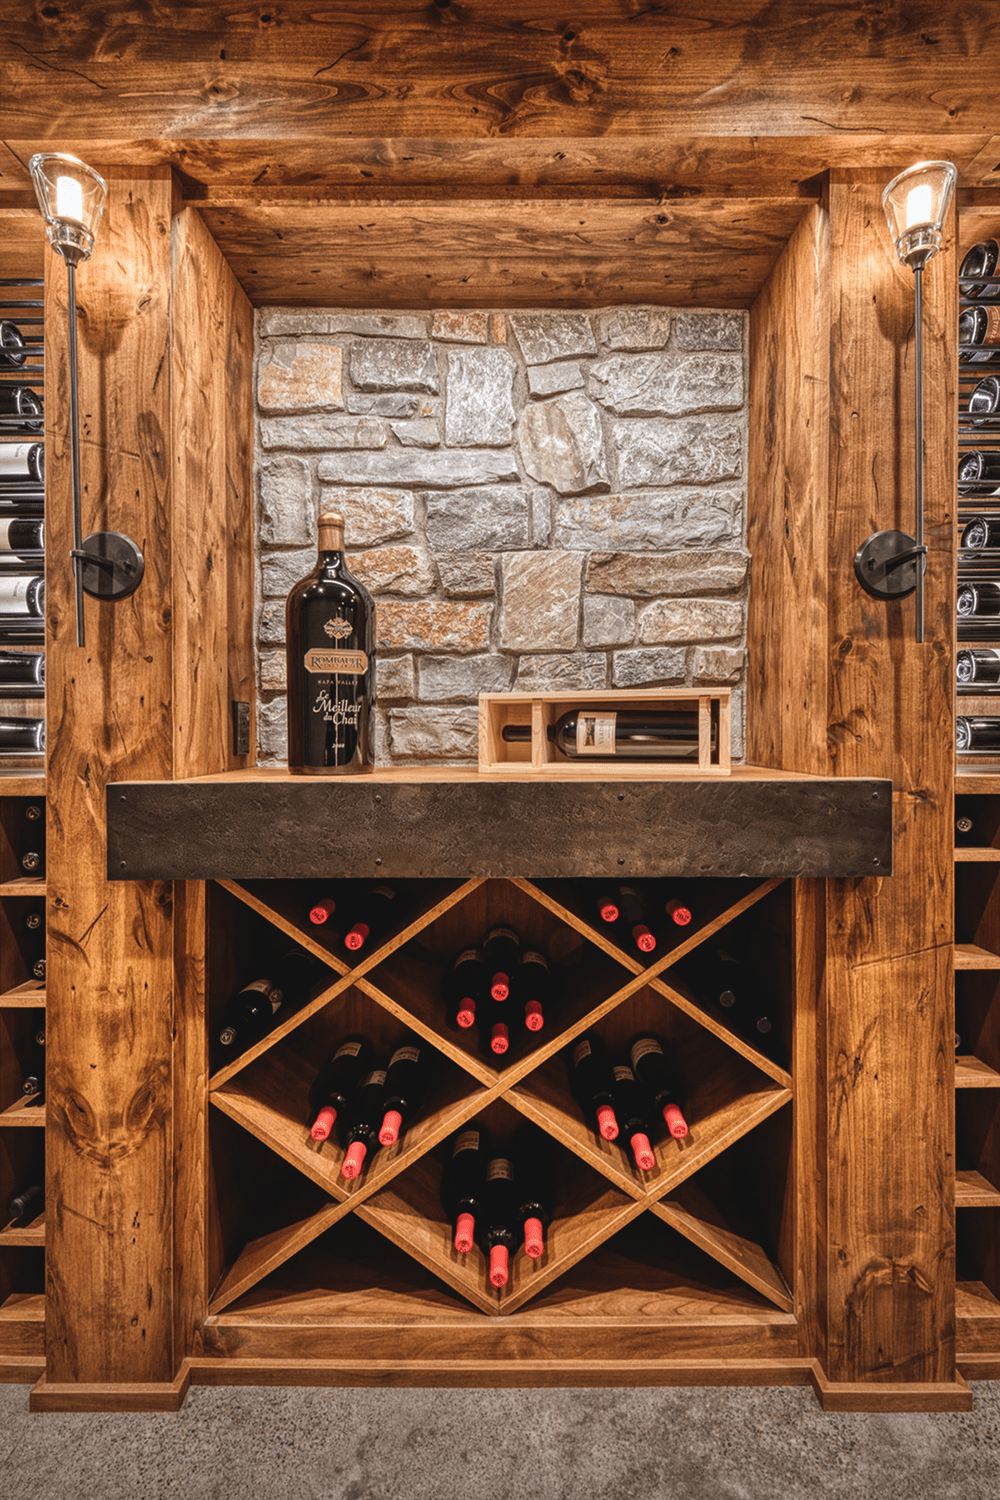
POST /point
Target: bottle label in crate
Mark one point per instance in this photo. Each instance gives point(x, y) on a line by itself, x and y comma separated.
point(405, 1054)
point(502, 932)
point(641, 1049)
point(349, 1049)
point(535, 958)
point(467, 1141)
point(467, 956)
point(580, 1051)
point(499, 1167)
point(377, 1077)
point(595, 734)
point(623, 1073)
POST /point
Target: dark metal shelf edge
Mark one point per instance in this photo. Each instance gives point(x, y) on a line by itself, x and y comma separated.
point(361, 829)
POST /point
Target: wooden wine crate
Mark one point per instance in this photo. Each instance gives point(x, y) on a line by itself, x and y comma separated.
point(540, 710)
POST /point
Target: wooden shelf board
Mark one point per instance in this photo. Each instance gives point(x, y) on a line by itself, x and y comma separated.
point(985, 782)
point(969, 956)
point(723, 1106)
point(22, 1112)
point(973, 1190)
point(970, 856)
point(23, 1307)
point(24, 885)
point(27, 996)
point(691, 1213)
point(32, 1233)
point(22, 783)
point(974, 1302)
point(970, 1073)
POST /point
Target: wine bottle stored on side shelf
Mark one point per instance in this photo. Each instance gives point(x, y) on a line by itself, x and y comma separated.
point(362, 1123)
point(619, 734)
point(607, 908)
point(649, 1065)
point(322, 911)
point(330, 633)
point(33, 1085)
point(27, 1204)
point(534, 988)
point(334, 1085)
point(977, 734)
point(370, 917)
point(464, 987)
point(463, 1183)
point(980, 666)
point(630, 1113)
point(494, 1023)
point(502, 952)
point(984, 402)
point(634, 910)
point(38, 969)
point(405, 1084)
point(977, 469)
point(982, 532)
point(979, 333)
point(22, 735)
point(964, 829)
point(678, 911)
point(592, 1083)
point(978, 601)
point(13, 349)
point(533, 1184)
point(22, 462)
point(981, 260)
point(24, 404)
point(22, 669)
point(22, 537)
point(498, 1226)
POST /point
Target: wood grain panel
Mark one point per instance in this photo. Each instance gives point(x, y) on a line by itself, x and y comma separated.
point(889, 1046)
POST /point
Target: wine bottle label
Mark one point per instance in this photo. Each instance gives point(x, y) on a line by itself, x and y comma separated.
point(15, 591)
point(377, 1077)
point(580, 1051)
point(405, 1054)
point(349, 1049)
point(260, 986)
point(502, 932)
point(535, 958)
point(991, 333)
point(623, 1073)
point(467, 1141)
point(595, 734)
point(341, 663)
point(643, 1048)
point(469, 956)
point(17, 458)
point(383, 890)
point(499, 1167)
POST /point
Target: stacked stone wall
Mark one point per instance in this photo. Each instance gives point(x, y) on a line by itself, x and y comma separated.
point(535, 500)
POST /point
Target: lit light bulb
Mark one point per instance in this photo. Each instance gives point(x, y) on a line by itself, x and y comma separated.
point(69, 199)
point(919, 205)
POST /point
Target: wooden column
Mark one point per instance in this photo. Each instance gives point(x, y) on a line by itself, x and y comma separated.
point(148, 697)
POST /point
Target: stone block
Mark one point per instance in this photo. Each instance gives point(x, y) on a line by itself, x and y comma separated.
point(271, 625)
point(645, 668)
point(479, 410)
point(434, 733)
point(541, 600)
point(678, 621)
point(390, 405)
point(394, 678)
point(290, 320)
point(498, 328)
point(562, 444)
point(541, 517)
point(494, 517)
point(549, 380)
point(718, 663)
point(738, 718)
point(370, 515)
point(286, 517)
point(281, 571)
point(427, 468)
point(300, 377)
point(708, 330)
point(393, 365)
point(642, 576)
point(322, 432)
point(579, 671)
point(461, 327)
point(423, 432)
point(433, 625)
point(608, 622)
point(658, 519)
point(648, 385)
point(442, 677)
point(655, 450)
point(634, 327)
point(395, 570)
point(272, 730)
point(544, 336)
point(466, 575)
point(272, 671)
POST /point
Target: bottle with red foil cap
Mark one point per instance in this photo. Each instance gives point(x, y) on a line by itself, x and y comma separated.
point(405, 1082)
point(502, 952)
point(494, 1022)
point(649, 1065)
point(533, 1181)
point(334, 1085)
point(464, 987)
point(678, 911)
point(534, 988)
point(370, 917)
point(607, 908)
point(322, 910)
point(463, 1183)
point(634, 910)
point(632, 1117)
point(592, 1083)
point(498, 1223)
point(361, 1125)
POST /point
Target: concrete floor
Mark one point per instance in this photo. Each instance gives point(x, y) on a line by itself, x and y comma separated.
point(288, 1444)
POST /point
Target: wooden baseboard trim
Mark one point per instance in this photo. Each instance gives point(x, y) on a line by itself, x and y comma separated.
point(473, 1374)
point(49, 1395)
point(889, 1396)
point(23, 1370)
point(979, 1366)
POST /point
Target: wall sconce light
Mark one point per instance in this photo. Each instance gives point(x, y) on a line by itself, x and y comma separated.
point(890, 564)
point(71, 196)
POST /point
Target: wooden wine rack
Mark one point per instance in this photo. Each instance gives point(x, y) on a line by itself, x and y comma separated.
point(729, 1086)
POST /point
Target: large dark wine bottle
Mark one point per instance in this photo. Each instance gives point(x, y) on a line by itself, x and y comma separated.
point(980, 665)
point(619, 734)
point(405, 1084)
point(22, 402)
point(978, 468)
point(974, 734)
point(371, 914)
point(534, 988)
point(978, 334)
point(533, 1184)
point(978, 601)
point(22, 595)
point(20, 462)
point(981, 260)
point(27, 1204)
point(717, 978)
point(592, 1083)
point(634, 910)
point(984, 402)
point(631, 1114)
point(464, 987)
point(22, 537)
point(13, 349)
point(678, 911)
point(498, 1224)
point(362, 1123)
point(322, 910)
point(502, 952)
point(649, 1065)
point(981, 531)
point(463, 1183)
point(330, 631)
point(22, 668)
point(252, 1009)
point(494, 1023)
point(25, 735)
point(334, 1085)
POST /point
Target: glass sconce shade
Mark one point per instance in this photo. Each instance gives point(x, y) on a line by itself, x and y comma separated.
point(916, 203)
point(71, 196)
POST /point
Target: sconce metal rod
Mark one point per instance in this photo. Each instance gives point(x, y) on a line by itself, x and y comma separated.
point(74, 451)
point(918, 352)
